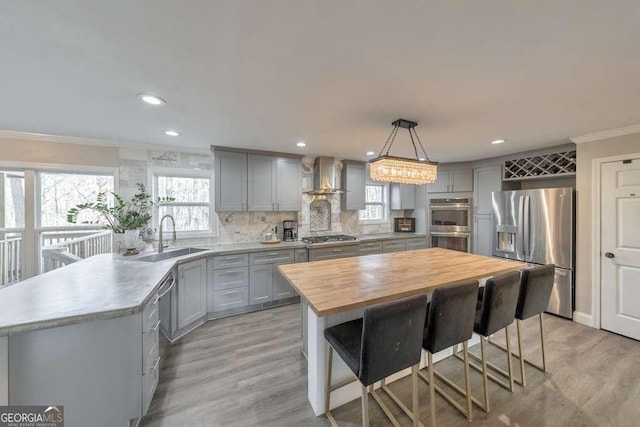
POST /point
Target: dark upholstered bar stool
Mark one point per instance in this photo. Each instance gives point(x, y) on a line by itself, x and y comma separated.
point(536, 285)
point(449, 322)
point(496, 311)
point(385, 341)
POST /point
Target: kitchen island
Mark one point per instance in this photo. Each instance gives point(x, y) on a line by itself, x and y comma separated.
point(336, 291)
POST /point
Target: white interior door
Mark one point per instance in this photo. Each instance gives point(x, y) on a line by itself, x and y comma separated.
point(620, 248)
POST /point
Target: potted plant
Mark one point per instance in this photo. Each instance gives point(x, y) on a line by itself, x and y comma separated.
point(122, 217)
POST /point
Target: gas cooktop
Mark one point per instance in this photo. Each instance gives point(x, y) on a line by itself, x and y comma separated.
point(325, 239)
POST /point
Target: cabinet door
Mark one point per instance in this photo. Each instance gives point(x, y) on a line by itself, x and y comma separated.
point(288, 184)
point(483, 235)
point(231, 181)
point(260, 283)
point(281, 288)
point(486, 180)
point(261, 183)
point(192, 292)
point(440, 185)
point(353, 182)
point(461, 180)
point(402, 196)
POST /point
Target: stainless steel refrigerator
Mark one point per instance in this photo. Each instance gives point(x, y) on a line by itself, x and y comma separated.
point(537, 227)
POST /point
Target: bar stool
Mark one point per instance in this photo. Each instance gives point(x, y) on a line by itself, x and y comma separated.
point(449, 322)
point(385, 341)
point(536, 285)
point(496, 311)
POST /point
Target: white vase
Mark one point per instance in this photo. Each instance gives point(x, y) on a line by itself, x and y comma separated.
point(118, 242)
point(131, 239)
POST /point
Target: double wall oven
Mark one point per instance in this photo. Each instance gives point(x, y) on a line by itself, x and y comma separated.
point(450, 226)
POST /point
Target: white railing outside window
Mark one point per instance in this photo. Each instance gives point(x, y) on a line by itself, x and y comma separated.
point(62, 248)
point(11, 255)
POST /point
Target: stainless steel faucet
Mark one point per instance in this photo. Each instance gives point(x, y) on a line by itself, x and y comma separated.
point(173, 223)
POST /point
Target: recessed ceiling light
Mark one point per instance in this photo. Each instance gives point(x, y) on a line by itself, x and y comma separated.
point(422, 159)
point(151, 99)
point(370, 153)
point(497, 141)
point(171, 133)
point(301, 144)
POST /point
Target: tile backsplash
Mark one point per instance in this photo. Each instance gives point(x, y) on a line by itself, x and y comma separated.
point(233, 227)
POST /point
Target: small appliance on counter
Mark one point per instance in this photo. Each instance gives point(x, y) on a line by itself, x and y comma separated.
point(404, 225)
point(290, 231)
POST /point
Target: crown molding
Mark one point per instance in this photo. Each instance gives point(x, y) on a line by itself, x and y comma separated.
point(628, 130)
point(28, 136)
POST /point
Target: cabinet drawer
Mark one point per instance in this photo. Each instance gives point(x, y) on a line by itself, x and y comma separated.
point(370, 248)
point(230, 261)
point(230, 278)
point(233, 298)
point(150, 377)
point(150, 315)
point(302, 255)
point(393, 245)
point(416, 243)
point(333, 252)
point(272, 257)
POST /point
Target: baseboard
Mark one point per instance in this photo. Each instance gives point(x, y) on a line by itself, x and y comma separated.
point(583, 318)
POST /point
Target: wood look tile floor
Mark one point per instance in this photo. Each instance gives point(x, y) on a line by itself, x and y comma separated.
point(248, 371)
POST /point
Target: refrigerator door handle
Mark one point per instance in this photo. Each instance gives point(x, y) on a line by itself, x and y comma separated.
point(520, 236)
point(526, 250)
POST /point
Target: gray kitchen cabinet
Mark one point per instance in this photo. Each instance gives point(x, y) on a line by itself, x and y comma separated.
point(402, 196)
point(333, 252)
point(483, 235)
point(354, 177)
point(416, 243)
point(191, 292)
point(301, 255)
point(368, 248)
point(261, 181)
point(394, 245)
point(150, 351)
point(452, 181)
point(486, 180)
point(230, 181)
point(228, 284)
point(274, 183)
point(261, 283)
point(281, 288)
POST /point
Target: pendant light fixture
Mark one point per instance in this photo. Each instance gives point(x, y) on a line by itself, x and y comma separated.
point(403, 170)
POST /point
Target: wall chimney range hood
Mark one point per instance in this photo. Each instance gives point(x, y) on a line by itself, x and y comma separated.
point(325, 180)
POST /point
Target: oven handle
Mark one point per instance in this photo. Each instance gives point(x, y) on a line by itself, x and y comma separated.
point(451, 234)
point(457, 207)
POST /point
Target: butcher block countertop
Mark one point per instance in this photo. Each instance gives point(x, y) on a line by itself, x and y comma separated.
point(338, 285)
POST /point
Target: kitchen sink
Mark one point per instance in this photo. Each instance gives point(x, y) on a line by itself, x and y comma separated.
point(170, 254)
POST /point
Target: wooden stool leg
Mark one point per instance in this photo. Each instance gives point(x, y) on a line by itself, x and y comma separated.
point(485, 380)
point(327, 392)
point(467, 380)
point(544, 361)
point(509, 360)
point(416, 403)
point(432, 389)
point(522, 377)
point(365, 406)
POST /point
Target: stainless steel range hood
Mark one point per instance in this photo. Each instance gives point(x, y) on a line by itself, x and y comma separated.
point(324, 177)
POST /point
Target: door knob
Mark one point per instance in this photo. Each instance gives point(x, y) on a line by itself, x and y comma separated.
point(609, 255)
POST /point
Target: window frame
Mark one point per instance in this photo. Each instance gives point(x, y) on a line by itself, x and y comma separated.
point(155, 172)
point(384, 204)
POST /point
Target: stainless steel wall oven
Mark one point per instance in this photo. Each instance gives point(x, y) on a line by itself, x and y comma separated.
point(450, 224)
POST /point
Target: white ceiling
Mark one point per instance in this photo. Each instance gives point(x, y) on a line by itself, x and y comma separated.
point(334, 73)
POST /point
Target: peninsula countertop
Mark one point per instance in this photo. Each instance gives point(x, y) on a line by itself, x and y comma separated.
point(338, 285)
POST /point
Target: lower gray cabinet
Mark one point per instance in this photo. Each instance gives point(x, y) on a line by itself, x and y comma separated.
point(395, 245)
point(191, 292)
point(416, 243)
point(281, 288)
point(483, 235)
point(368, 248)
point(333, 252)
point(260, 285)
point(150, 351)
point(302, 255)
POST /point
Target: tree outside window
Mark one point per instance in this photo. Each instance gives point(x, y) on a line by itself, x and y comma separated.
point(375, 203)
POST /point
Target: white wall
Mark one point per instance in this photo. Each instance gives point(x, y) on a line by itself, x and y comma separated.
point(586, 152)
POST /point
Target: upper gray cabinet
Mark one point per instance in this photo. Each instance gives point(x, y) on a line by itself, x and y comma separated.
point(453, 181)
point(274, 183)
point(354, 177)
point(257, 182)
point(230, 181)
point(487, 180)
point(402, 196)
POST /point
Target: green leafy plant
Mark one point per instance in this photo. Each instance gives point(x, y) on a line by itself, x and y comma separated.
point(122, 215)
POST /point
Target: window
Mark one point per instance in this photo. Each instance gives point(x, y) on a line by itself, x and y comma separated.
point(375, 208)
point(191, 208)
point(59, 192)
point(12, 191)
